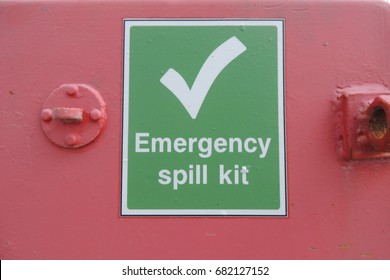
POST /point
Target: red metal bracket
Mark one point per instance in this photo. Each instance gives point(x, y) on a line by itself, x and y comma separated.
point(365, 122)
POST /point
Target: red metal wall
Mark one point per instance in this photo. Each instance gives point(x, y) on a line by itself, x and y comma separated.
point(58, 203)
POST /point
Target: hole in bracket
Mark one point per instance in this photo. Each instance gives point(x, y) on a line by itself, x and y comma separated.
point(378, 123)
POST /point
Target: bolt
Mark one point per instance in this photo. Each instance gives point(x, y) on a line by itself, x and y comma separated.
point(71, 140)
point(362, 139)
point(96, 114)
point(71, 90)
point(47, 115)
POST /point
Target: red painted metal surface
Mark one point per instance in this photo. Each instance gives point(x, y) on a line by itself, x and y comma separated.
point(64, 203)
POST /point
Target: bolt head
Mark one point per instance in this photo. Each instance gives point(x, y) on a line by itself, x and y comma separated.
point(47, 115)
point(71, 140)
point(362, 140)
point(96, 114)
point(71, 90)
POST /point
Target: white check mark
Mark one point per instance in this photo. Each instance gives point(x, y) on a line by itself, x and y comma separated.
point(192, 99)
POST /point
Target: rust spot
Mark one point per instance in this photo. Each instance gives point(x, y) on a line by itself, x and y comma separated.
point(378, 123)
point(344, 246)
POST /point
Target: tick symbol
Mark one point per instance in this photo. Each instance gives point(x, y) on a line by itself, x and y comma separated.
point(192, 99)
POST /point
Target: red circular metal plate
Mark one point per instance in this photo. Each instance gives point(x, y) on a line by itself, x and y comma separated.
point(73, 115)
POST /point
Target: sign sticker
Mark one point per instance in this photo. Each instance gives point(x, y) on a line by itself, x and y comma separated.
point(203, 118)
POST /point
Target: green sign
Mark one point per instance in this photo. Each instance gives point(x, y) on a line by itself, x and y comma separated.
point(203, 118)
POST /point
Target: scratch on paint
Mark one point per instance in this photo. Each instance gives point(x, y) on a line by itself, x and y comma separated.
point(312, 248)
point(366, 255)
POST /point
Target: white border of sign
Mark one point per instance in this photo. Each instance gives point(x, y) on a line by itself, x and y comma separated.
point(279, 24)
